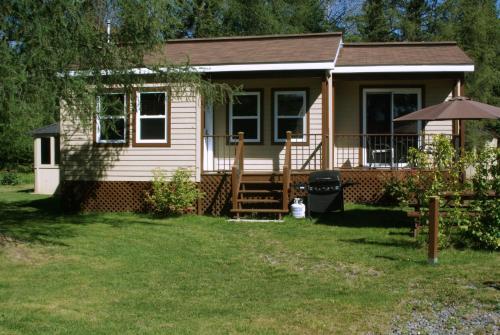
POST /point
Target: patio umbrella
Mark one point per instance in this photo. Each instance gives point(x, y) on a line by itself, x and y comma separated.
point(459, 108)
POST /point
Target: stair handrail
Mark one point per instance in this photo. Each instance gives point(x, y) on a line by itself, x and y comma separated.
point(237, 169)
point(287, 169)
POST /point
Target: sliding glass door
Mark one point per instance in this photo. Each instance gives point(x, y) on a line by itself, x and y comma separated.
point(386, 142)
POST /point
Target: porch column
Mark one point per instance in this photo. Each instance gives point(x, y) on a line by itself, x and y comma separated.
point(331, 121)
point(325, 127)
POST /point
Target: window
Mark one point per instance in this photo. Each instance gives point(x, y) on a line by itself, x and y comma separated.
point(151, 121)
point(290, 110)
point(111, 125)
point(387, 142)
point(244, 115)
point(45, 157)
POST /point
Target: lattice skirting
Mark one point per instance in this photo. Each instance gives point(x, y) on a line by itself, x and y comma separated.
point(121, 196)
point(104, 196)
point(368, 188)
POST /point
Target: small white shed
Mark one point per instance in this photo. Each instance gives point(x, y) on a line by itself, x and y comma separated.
point(46, 160)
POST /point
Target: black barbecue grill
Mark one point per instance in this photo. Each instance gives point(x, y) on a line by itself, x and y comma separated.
point(326, 192)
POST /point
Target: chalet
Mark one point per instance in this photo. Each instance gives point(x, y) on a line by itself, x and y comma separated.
point(309, 102)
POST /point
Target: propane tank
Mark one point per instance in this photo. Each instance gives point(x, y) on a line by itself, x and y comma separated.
point(298, 209)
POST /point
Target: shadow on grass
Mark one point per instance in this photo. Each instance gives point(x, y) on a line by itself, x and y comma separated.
point(43, 221)
point(26, 190)
point(406, 244)
point(378, 217)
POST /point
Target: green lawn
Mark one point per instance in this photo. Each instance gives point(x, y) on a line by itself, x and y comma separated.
point(131, 274)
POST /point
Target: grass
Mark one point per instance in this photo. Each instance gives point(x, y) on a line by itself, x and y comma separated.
point(128, 273)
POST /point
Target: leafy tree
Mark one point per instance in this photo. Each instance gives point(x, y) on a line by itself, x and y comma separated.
point(42, 42)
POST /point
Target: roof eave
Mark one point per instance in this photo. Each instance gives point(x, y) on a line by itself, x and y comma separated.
point(404, 68)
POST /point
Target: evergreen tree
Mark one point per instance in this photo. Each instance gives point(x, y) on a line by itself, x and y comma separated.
point(209, 18)
point(413, 20)
point(374, 24)
point(477, 30)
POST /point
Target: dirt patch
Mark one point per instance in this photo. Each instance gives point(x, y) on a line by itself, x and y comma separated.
point(22, 253)
point(299, 262)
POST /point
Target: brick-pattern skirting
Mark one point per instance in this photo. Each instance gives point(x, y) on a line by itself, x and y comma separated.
point(121, 196)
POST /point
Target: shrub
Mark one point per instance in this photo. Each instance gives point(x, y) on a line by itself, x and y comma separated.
point(483, 230)
point(173, 197)
point(439, 169)
point(395, 191)
point(433, 171)
point(9, 178)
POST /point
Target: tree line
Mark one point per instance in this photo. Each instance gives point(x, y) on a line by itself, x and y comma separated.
point(40, 40)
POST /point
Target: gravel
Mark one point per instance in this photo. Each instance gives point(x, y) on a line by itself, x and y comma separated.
point(442, 320)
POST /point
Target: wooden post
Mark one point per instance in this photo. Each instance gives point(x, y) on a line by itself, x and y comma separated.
point(287, 166)
point(332, 133)
point(325, 129)
point(241, 139)
point(432, 254)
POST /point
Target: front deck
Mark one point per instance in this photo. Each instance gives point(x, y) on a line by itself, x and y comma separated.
point(235, 182)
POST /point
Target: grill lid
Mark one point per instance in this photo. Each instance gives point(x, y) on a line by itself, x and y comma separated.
point(328, 176)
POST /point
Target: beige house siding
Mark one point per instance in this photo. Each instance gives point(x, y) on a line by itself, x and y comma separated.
point(268, 156)
point(81, 159)
point(348, 112)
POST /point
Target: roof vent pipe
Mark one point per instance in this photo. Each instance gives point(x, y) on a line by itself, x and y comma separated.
point(108, 29)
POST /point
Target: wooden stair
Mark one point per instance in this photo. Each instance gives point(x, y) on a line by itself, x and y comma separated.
point(254, 193)
point(260, 194)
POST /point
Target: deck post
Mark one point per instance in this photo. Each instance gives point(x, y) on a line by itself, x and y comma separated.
point(432, 252)
point(241, 139)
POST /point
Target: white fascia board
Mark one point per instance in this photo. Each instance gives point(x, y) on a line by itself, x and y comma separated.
point(265, 67)
point(229, 68)
point(403, 68)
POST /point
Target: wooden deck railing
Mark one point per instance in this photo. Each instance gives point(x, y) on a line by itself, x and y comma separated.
point(287, 169)
point(388, 151)
point(309, 152)
point(237, 169)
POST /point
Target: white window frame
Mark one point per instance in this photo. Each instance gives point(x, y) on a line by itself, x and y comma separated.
point(276, 117)
point(393, 91)
point(99, 117)
point(139, 117)
point(234, 139)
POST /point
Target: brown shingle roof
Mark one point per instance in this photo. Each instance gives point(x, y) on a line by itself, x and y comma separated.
point(402, 53)
point(248, 50)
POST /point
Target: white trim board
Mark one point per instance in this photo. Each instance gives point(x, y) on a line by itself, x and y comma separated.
point(403, 68)
point(230, 68)
point(265, 67)
point(304, 66)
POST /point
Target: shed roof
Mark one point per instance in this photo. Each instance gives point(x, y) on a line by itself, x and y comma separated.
point(249, 50)
point(402, 53)
point(51, 129)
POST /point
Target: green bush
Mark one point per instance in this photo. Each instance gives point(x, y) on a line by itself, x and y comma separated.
point(395, 191)
point(483, 229)
point(439, 169)
point(433, 170)
point(174, 197)
point(9, 178)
